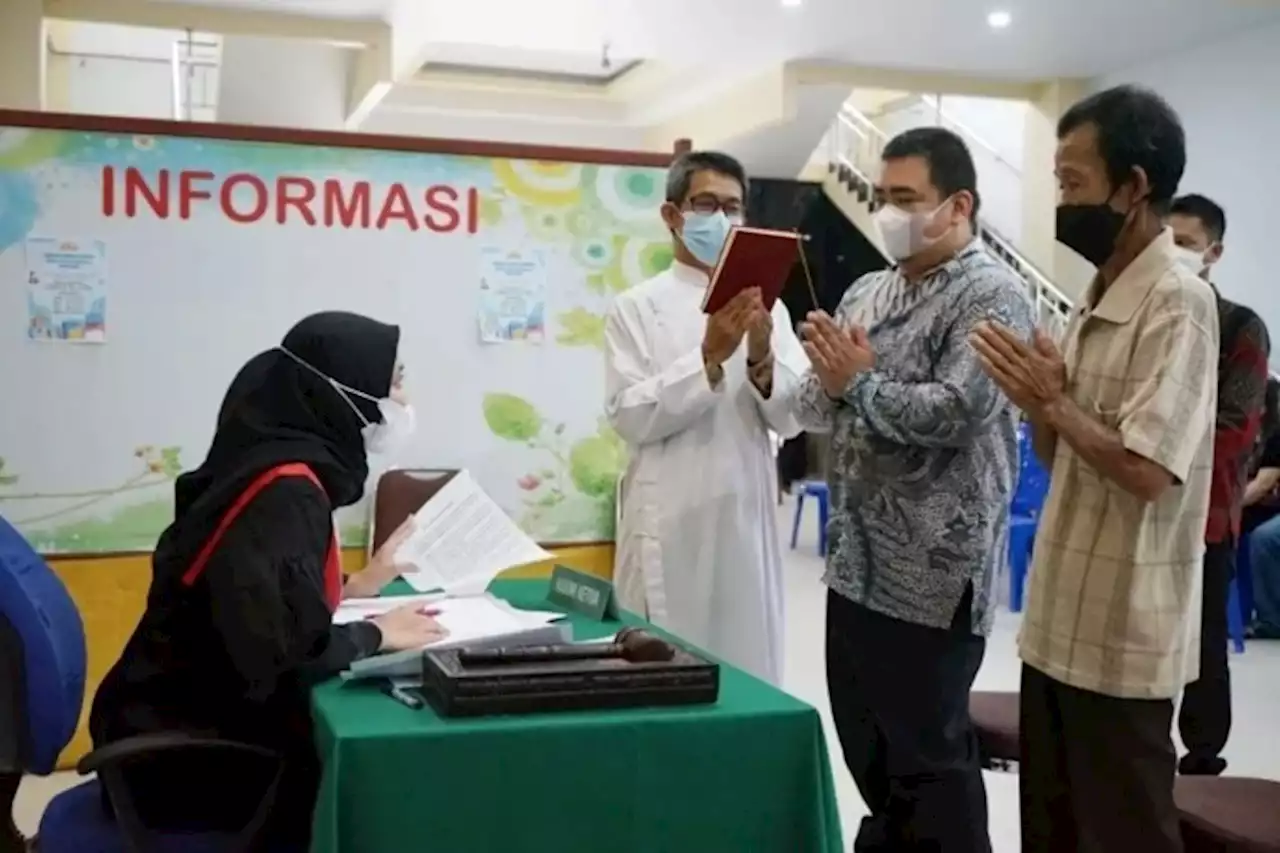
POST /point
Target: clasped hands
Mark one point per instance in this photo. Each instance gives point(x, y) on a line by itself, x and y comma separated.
point(837, 355)
point(742, 316)
point(1032, 375)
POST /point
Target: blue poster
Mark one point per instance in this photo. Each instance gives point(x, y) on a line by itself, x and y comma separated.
point(66, 290)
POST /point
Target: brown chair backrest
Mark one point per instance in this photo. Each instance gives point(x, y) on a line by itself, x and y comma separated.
point(401, 493)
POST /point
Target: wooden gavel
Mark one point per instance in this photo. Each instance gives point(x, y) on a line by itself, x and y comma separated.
point(631, 644)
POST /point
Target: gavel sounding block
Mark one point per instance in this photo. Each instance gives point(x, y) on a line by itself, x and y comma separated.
point(455, 689)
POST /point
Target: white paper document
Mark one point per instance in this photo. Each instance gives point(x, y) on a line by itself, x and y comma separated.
point(462, 540)
point(355, 609)
point(476, 621)
point(480, 617)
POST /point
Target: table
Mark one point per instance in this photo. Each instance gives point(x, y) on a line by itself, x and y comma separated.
point(749, 774)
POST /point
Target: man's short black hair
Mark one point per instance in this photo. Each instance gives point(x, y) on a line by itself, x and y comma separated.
point(1136, 128)
point(684, 167)
point(1208, 211)
point(951, 166)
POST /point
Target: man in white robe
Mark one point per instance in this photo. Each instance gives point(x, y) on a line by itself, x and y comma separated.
point(695, 397)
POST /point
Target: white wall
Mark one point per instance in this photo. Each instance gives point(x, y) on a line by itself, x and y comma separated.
point(783, 150)
point(109, 69)
point(1225, 93)
point(504, 128)
point(998, 122)
point(110, 86)
point(283, 83)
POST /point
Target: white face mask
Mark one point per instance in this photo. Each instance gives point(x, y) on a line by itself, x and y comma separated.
point(903, 231)
point(385, 437)
point(397, 426)
point(1190, 260)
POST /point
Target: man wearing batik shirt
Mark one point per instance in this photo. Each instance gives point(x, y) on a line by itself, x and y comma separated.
point(922, 462)
point(1204, 720)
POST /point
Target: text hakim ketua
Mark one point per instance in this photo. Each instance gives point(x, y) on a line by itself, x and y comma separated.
point(247, 199)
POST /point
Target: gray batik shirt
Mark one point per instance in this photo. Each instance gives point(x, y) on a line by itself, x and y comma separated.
point(924, 450)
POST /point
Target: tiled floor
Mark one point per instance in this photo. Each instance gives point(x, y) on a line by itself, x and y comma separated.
point(1254, 749)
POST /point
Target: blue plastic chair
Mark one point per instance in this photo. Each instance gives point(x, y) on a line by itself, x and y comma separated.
point(42, 672)
point(815, 489)
point(1024, 515)
point(1244, 579)
point(1235, 617)
point(1022, 540)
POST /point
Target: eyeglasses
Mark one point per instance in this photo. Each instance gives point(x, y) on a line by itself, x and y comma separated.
point(708, 203)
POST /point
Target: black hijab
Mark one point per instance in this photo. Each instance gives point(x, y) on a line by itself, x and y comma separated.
point(277, 410)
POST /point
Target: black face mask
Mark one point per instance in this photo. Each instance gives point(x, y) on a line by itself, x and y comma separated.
point(1089, 230)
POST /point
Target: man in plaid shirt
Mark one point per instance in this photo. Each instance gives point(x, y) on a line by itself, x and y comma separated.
point(1204, 719)
point(1124, 413)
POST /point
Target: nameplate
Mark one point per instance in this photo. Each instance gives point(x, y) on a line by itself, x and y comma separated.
point(582, 593)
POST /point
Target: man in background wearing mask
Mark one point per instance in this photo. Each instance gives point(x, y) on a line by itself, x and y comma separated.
point(1204, 718)
point(695, 397)
point(1124, 417)
point(923, 459)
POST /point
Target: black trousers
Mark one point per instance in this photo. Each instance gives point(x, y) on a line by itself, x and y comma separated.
point(900, 700)
point(1095, 772)
point(1204, 721)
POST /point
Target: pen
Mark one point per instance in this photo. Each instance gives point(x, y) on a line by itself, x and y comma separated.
point(408, 700)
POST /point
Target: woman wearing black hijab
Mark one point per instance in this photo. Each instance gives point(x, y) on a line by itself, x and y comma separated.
point(239, 617)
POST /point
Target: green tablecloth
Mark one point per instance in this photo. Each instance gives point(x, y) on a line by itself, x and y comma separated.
point(749, 774)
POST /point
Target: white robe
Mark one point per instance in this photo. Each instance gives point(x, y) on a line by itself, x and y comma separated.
point(697, 542)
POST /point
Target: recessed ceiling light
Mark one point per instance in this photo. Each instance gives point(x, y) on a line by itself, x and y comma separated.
point(999, 20)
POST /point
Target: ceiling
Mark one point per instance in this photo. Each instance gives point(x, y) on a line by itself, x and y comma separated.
point(114, 40)
point(1081, 38)
point(581, 66)
point(351, 9)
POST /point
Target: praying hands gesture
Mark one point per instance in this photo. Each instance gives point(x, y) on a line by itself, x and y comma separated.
point(837, 355)
point(742, 316)
point(759, 332)
point(1032, 375)
point(726, 327)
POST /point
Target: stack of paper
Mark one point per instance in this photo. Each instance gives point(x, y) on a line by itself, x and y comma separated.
point(355, 609)
point(479, 621)
point(462, 540)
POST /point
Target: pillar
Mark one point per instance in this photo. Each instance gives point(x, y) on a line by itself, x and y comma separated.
point(282, 82)
point(1040, 188)
point(22, 54)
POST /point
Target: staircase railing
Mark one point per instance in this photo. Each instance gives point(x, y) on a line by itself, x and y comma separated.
point(194, 63)
point(854, 146)
point(970, 136)
point(1000, 178)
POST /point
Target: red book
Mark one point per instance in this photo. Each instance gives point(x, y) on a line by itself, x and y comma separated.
point(752, 257)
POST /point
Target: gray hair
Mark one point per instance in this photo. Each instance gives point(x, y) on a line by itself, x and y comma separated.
point(683, 168)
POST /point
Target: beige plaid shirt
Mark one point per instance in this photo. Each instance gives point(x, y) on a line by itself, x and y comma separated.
point(1114, 599)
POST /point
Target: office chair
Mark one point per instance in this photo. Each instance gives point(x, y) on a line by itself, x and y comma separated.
point(42, 674)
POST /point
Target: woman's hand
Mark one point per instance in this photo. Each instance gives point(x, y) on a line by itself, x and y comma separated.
point(407, 628)
point(382, 568)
